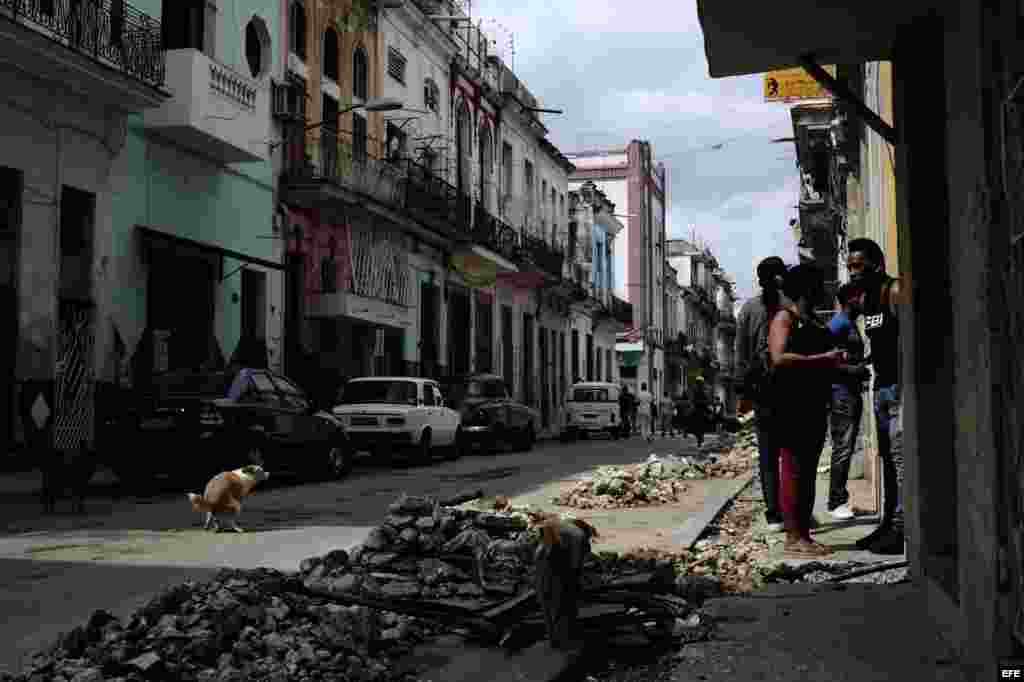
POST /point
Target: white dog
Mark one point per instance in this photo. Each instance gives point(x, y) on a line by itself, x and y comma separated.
point(225, 492)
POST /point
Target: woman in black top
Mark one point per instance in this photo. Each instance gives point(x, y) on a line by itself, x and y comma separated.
point(802, 368)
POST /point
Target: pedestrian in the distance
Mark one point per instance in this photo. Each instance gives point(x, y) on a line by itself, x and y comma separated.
point(847, 398)
point(624, 411)
point(752, 368)
point(645, 413)
point(700, 411)
point(682, 412)
point(803, 362)
point(667, 411)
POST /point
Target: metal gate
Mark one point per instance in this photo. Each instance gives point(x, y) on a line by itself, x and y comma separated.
point(73, 379)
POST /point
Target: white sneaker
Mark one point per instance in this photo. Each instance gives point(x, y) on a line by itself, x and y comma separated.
point(842, 513)
point(775, 527)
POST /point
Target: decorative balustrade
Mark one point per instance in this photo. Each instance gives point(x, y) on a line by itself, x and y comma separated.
point(110, 31)
point(226, 82)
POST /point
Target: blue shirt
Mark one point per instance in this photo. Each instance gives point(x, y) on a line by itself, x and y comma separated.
point(847, 337)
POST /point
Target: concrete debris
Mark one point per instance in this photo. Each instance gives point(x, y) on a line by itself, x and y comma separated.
point(268, 625)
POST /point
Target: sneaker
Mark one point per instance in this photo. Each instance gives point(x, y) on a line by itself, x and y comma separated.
point(842, 513)
point(877, 533)
point(892, 542)
point(775, 527)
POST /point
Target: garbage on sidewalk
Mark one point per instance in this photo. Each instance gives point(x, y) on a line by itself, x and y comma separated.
point(354, 615)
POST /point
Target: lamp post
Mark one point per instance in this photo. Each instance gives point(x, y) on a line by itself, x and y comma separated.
point(379, 104)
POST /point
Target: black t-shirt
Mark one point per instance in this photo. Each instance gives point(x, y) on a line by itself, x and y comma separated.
point(799, 393)
point(883, 331)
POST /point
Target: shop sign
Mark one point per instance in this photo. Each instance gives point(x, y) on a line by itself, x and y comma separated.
point(791, 85)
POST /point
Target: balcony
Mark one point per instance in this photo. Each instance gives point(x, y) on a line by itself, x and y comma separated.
point(536, 251)
point(494, 234)
point(215, 111)
point(324, 166)
point(622, 311)
point(107, 51)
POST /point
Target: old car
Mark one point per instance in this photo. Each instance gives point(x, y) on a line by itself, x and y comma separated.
point(195, 424)
point(406, 416)
point(592, 407)
point(491, 419)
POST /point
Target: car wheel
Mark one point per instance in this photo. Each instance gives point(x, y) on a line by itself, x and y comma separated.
point(529, 438)
point(338, 462)
point(424, 451)
point(455, 451)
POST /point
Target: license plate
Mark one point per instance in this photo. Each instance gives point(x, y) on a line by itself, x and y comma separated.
point(590, 416)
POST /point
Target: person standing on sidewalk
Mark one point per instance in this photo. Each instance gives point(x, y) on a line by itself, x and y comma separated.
point(802, 364)
point(667, 411)
point(866, 265)
point(752, 365)
point(624, 415)
point(699, 412)
point(645, 412)
point(847, 398)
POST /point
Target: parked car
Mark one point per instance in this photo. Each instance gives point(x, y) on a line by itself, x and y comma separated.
point(399, 415)
point(490, 417)
point(592, 407)
point(196, 424)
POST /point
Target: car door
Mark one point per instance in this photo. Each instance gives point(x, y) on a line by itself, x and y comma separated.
point(444, 417)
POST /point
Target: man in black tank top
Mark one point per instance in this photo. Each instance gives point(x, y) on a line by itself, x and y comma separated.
point(866, 265)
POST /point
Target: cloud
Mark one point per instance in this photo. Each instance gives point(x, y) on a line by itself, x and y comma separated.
point(635, 69)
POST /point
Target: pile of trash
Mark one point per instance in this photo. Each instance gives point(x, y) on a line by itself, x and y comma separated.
point(331, 619)
point(730, 550)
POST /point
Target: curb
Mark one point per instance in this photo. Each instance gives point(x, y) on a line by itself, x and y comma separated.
point(694, 528)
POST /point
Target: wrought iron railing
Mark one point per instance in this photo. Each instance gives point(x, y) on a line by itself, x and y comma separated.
point(538, 252)
point(494, 234)
point(431, 199)
point(110, 31)
point(622, 311)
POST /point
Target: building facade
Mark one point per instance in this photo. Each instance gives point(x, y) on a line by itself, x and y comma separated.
point(73, 103)
point(697, 273)
point(632, 180)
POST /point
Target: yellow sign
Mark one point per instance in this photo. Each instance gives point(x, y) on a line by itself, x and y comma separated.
point(477, 271)
point(786, 85)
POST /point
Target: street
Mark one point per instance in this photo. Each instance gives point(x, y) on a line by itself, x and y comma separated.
point(58, 569)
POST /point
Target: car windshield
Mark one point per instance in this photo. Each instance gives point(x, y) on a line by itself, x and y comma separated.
point(485, 389)
point(590, 395)
point(403, 392)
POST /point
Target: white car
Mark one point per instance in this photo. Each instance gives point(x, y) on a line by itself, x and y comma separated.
point(592, 407)
point(382, 415)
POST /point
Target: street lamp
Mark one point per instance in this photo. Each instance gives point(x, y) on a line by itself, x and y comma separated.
point(378, 104)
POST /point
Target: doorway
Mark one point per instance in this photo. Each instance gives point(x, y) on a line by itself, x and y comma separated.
point(507, 348)
point(428, 330)
point(528, 392)
point(254, 304)
point(542, 349)
point(10, 220)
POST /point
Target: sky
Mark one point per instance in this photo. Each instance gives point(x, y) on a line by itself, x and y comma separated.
point(635, 69)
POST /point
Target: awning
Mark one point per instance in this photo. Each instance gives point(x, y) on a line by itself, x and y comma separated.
point(631, 358)
point(743, 37)
point(150, 233)
point(629, 347)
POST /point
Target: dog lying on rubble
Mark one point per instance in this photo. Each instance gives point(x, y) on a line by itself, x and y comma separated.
point(224, 494)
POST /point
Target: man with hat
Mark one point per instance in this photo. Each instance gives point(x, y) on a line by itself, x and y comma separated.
point(752, 368)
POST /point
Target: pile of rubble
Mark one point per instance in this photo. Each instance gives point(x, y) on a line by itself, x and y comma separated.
point(730, 550)
point(242, 625)
point(332, 619)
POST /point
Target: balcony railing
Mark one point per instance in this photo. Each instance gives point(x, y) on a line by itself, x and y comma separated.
point(327, 155)
point(110, 31)
point(494, 234)
point(622, 310)
point(538, 252)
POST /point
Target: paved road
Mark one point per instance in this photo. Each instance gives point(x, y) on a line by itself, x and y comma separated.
point(55, 570)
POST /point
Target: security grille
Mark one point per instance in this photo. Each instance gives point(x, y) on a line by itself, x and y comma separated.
point(73, 389)
point(396, 65)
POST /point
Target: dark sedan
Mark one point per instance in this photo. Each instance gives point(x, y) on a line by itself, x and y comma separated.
point(196, 424)
point(491, 419)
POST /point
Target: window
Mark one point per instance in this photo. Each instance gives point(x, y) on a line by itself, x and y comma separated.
point(608, 365)
point(257, 47)
point(291, 395)
point(590, 395)
point(77, 211)
point(360, 74)
point(431, 95)
point(183, 24)
point(331, 54)
point(528, 186)
point(262, 390)
point(506, 170)
point(372, 391)
point(297, 30)
point(395, 140)
point(396, 65)
point(359, 137)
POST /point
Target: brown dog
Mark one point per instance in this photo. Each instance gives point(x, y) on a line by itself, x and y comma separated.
point(559, 570)
point(225, 492)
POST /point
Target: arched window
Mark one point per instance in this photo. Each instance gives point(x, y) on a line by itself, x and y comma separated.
point(431, 95)
point(297, 30)
point(331, 56)
point(360, 74)
point(257, 47)
point(486, 167)
point(463, 138)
